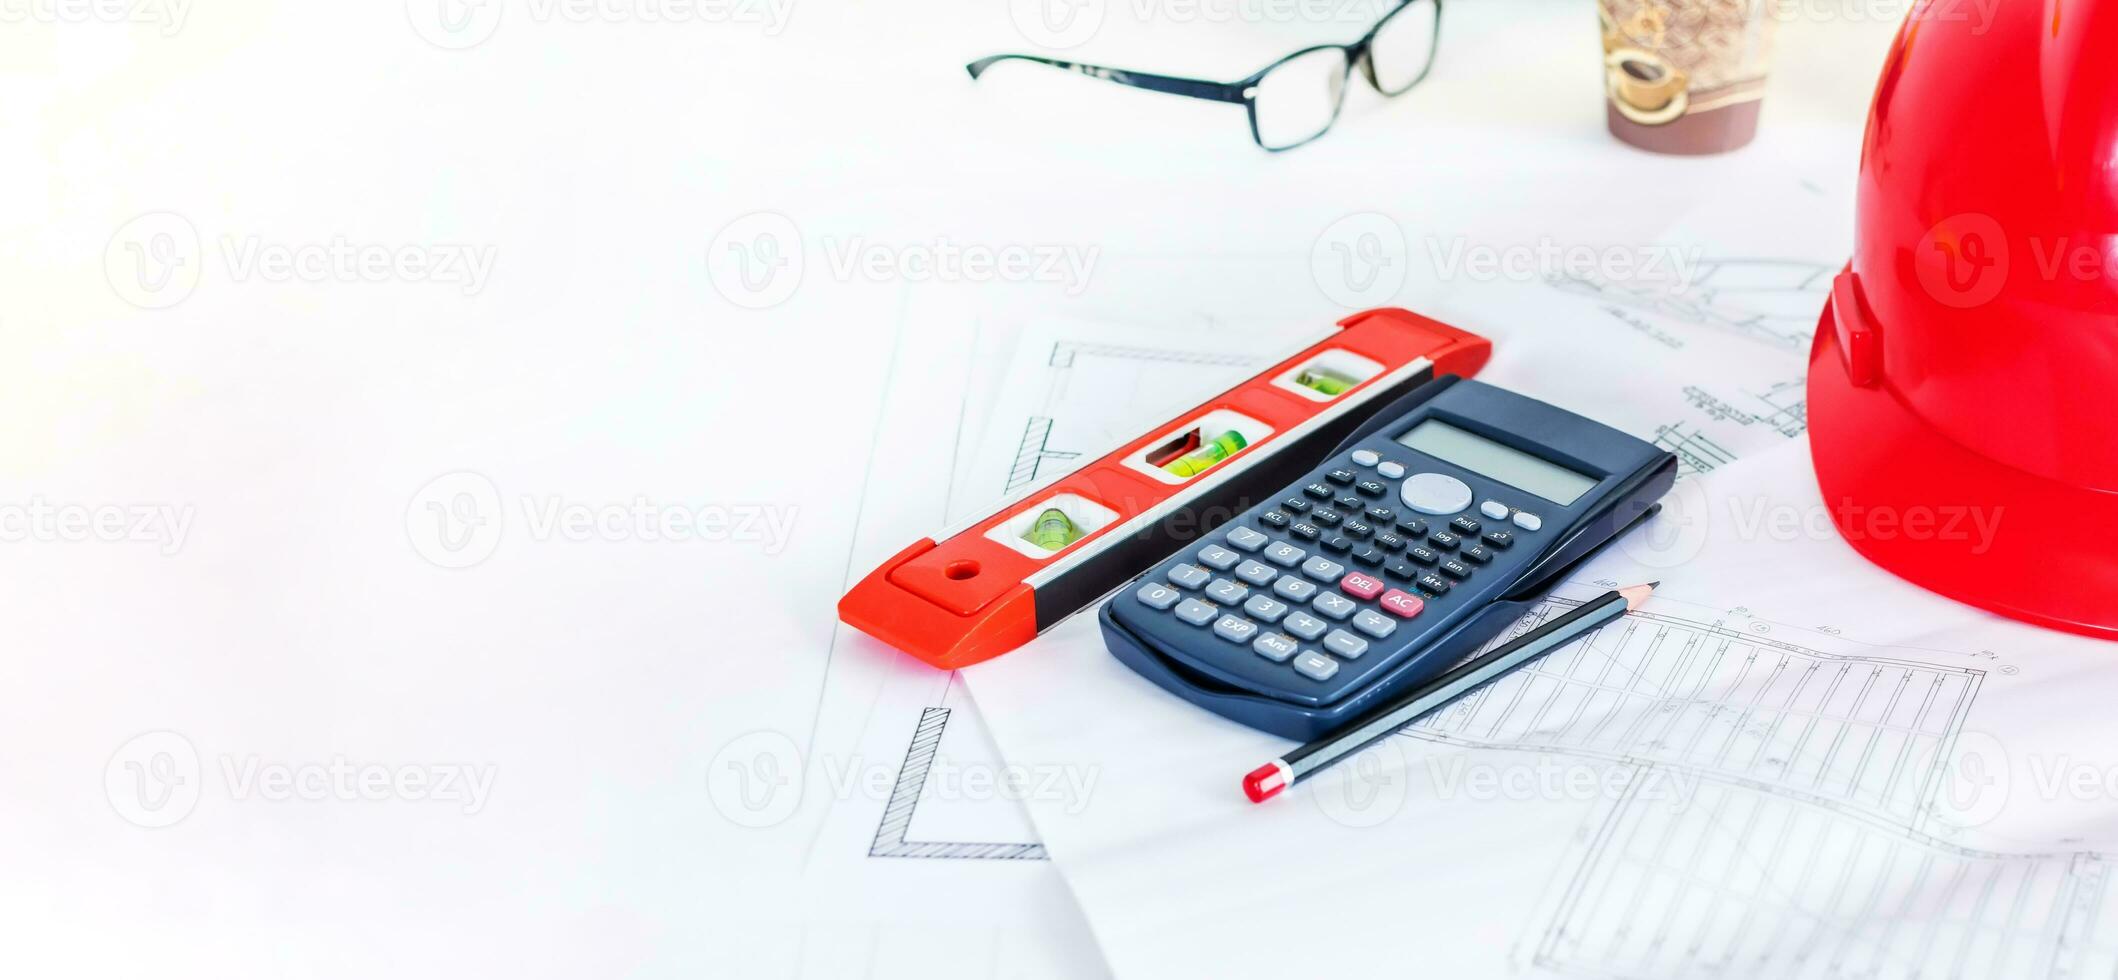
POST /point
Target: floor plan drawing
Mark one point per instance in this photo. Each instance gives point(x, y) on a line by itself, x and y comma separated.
point(1776, 411)
point(1866, 732)
point(1775, 302)
point(1744, 882)
point(1139, 376)
point(1696, 451)
point(1071, 391)
point(1817, 774)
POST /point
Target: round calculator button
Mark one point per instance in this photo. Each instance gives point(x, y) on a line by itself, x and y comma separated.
point(1434, 493)
point(1391, 471)
point(1366, 457)
point(1494, 509)
point(1528, 521)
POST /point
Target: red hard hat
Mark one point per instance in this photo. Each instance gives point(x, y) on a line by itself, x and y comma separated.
point(1963, 389)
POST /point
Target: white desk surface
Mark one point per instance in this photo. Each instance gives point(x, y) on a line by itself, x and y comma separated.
point(296, 415)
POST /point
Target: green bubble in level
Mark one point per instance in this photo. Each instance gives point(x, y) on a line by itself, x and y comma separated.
point(1205, 457)
point(1322, 382)
point(1053, 530)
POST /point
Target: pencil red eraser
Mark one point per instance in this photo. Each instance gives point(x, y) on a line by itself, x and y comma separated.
point(1266, 781)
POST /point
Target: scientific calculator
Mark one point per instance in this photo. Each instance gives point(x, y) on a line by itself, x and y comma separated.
point(1424, 533)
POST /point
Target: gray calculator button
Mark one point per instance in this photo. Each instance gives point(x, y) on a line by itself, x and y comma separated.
point(1304, 625)
point(1323, 569)
point(1345, 644)
point(1196, 613)
point(1247, 539)
point(1158, 596)
point(1189, 576)
point(1225, 592)
point(1334, 605)
point(1434, 493)
point(1528, 521)
point(1367, 457)
point(1374, 624)
point(1494, 509)
point(1284, 555)
point(1316, 666)
point(1256, 572)
point(1276, 647)
point(1265, 607)
point(1391, 471)
point(1219, 558)
point(1296, 589)
point(1235, 628)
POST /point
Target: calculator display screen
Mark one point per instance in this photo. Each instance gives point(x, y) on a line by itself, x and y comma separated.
point(1513, 467)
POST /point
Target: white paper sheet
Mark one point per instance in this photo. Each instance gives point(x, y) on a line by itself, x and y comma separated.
point(1788, 764)
point(924, 826)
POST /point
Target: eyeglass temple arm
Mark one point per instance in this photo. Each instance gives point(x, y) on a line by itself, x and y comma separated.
point(1193, 87)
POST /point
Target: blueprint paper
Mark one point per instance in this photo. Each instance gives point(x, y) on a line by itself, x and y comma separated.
point(920, 833)
point(1787, 764)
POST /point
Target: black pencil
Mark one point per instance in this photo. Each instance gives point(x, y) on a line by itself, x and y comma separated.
point(1268, 780)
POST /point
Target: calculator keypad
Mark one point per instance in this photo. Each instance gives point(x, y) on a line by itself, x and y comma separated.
point(1323, 576)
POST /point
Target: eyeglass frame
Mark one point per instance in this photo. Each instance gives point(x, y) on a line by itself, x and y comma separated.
point(1245, 91)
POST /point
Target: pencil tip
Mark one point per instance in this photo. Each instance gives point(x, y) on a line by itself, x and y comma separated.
point(1637, 594)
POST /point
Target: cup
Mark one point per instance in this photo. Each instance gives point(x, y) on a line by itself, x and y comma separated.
point(1685, 76)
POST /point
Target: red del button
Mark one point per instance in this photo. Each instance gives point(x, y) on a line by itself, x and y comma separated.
point(1361, 586)
point(1403, 604)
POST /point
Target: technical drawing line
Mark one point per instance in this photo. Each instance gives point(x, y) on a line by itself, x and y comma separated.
point(1862, 731)
point(1772, 301)
point(1065, 351)
point(1034, 451)
point(1663, 889)
point(890, 839)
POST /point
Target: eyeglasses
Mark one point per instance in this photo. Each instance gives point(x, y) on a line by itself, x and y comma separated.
point(1297, 98)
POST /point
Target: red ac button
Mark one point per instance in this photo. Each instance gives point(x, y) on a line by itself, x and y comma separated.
point(1403, 604)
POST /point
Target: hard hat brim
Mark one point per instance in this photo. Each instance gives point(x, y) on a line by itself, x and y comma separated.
point(1950, 520)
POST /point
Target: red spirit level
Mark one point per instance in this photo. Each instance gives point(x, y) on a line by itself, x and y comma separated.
point(994, 584)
